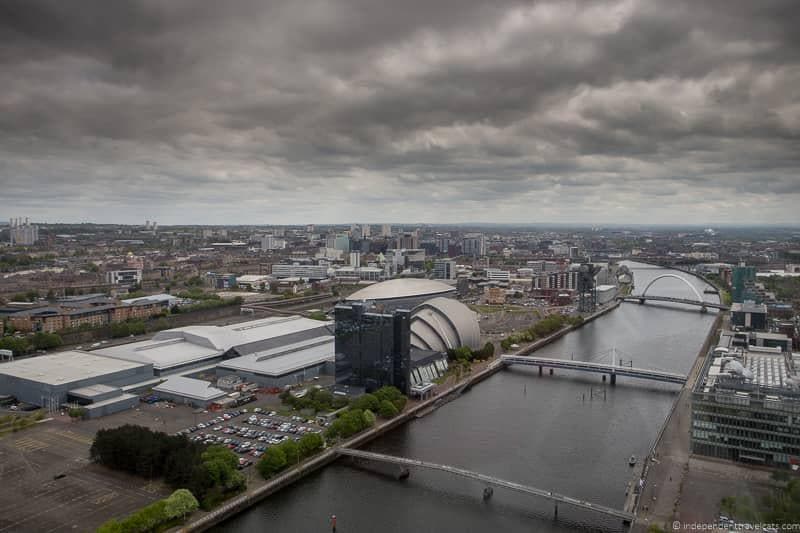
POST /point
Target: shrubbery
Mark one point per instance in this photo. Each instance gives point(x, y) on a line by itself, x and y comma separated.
point(349, 423)
point(209, 472)
point(127, 328)
point(177, 505)
point(464, 353)
point(316, 399)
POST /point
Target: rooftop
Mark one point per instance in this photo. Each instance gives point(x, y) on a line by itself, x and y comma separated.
point(196, 389)
point(180, 346)
point(65, 367)
point(402, 288)
point(286, 359)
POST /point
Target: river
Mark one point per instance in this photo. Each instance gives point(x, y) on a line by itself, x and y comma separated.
point(569, 433)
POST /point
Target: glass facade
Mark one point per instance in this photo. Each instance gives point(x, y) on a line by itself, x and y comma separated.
point(372, 349)
point(739, 420)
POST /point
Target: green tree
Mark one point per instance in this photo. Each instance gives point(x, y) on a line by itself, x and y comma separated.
point(43, 341)
point(387, 409)
point(369, 418)
point(18, 345)
point(272, 462)
point(291, 450)
point(366, 401)
point(310, 443)
point(180, 503)
point(77, 412)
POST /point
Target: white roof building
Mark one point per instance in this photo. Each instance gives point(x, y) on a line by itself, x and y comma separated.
point(172, 349)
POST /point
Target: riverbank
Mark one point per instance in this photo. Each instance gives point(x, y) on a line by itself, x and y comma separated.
point(263, 489)
point(665, 466)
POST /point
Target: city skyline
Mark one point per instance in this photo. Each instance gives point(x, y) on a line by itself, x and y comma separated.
point(604, 113)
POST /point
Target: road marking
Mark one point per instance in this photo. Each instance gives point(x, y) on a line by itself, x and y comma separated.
point(74, 436)
point(105, 498)
point(29, 445)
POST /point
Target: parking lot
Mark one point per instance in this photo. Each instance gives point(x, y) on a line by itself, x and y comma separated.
point(250, 432)
point(47, 483)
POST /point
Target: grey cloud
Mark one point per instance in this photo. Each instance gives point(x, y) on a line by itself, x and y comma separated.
point(416, 110)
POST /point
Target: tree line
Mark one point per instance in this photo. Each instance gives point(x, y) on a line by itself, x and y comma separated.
point(156, 516)
point(40, 340)
point(209, 472)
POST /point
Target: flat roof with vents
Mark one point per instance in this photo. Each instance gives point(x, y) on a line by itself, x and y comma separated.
point(66, 367)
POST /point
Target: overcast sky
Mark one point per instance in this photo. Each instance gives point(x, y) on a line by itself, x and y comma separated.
point(414, 110)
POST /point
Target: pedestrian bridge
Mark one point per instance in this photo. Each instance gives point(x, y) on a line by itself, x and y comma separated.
point(490, 480)
point(612, 370)
point(698, 301)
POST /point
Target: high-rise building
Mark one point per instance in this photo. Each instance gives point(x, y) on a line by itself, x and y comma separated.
point(474, 244)
point(444, 269)
point(342, 242)
point(442, 243)
point(23, 233)
point(270, 242)
point(407, 240)
point(743, 279)
point(366, 231)
point(372, 349)
point(386, 230)
point(355, 259)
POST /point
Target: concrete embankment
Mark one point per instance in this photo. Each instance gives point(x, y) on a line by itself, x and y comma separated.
point(663, 468)
point(256, 494)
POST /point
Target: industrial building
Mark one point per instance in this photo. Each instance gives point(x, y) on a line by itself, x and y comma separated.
point(83, 378)
point(194, 346)
point(285, 365)
point(745, 404)
point(188, 391)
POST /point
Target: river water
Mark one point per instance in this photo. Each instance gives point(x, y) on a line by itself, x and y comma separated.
point(569, 433)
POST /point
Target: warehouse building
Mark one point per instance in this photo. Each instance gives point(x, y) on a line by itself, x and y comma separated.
point(73, 378)
point(188, 391)
point(179, 349)
point(286, 365)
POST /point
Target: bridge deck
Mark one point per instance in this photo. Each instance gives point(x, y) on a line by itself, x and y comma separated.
point(489, 480)
point(598, 368)
point(686, 301)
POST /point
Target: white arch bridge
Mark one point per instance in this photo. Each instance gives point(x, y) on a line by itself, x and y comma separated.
point(699, 301)
point(554, 497)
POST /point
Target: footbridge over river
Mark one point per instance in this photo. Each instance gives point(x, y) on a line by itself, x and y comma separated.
point(491, 481)
point(612, 370)
point(697, 301)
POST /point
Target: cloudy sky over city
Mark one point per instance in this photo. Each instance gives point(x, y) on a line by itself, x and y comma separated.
point(358, 110)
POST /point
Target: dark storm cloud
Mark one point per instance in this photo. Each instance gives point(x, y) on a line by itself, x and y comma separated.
point(451, 110)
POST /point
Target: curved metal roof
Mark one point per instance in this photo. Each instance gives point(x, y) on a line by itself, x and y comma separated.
point(442, 324)
point(401, 288)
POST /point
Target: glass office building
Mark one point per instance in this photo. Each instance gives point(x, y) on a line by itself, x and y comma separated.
point(746, 407)
point(372, 349)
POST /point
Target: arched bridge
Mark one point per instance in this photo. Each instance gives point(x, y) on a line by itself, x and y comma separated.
point(700, 302)
point(490, 480)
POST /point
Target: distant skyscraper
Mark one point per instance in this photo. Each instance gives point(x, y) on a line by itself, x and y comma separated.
point(386, 230)
point(743, 279)
point(444, 269)
point(474, 245)
point(355, 259)
point(366, 230)
point(407, 241)
point(23, 233)
point(270, 242)
point(342, 242)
